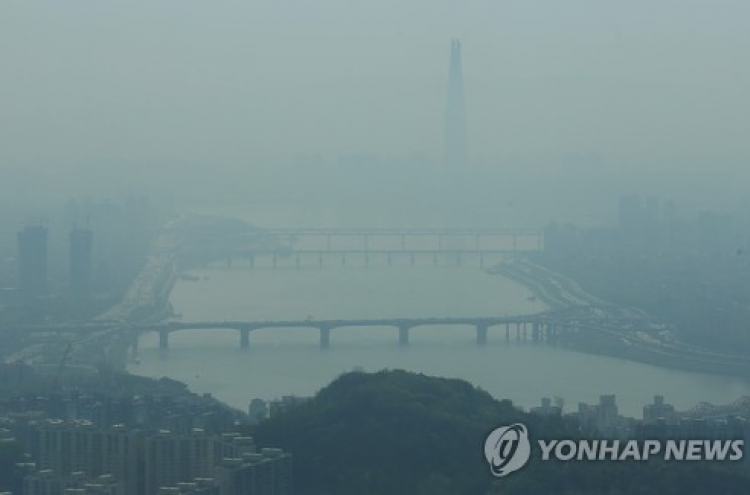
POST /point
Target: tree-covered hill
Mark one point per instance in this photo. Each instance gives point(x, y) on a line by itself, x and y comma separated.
point(390, 432)
point(395, 432)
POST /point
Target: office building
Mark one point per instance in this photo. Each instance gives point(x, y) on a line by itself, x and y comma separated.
point(455, 128)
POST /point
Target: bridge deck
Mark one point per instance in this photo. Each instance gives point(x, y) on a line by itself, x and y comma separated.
point(416, 231)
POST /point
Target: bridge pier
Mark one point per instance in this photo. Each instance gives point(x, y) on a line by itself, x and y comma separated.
point(163, 340)
point(325, 338)
point(134, 345)
point(389, 258)
point(403, 336)
point(544, 326)
point(481, 334)
point(412, 259)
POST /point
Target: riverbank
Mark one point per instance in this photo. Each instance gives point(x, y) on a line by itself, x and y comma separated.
point(234, 295)
point(620, 332)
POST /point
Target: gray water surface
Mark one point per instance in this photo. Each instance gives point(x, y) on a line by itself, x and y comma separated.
point(289, 361)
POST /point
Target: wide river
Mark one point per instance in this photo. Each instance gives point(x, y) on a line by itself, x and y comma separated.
point(289, 361)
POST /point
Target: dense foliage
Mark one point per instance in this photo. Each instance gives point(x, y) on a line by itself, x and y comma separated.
point(395, 432)
point(389, 432)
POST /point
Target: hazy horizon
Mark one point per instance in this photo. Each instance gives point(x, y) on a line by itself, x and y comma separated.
point(223, 99)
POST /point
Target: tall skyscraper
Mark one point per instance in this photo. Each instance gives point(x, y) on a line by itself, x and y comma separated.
point(455, 131)
point(81, 250)
point(32, 260)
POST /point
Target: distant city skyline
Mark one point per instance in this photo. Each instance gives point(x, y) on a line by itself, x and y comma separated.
point(221, 85)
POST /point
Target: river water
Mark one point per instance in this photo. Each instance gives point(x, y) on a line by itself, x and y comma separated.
point(289, 361)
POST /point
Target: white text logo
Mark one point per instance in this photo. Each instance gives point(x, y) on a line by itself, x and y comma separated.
point(507, 449)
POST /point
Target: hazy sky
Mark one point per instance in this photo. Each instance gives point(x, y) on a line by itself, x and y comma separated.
point(139, 83)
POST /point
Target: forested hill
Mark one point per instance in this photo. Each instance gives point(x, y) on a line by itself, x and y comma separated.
point(395, 432)
point(390, 432)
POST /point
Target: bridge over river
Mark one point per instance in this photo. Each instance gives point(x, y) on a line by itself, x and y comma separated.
point(310, 246)
point(543, 326)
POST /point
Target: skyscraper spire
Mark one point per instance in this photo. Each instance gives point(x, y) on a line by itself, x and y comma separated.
point(455, 131)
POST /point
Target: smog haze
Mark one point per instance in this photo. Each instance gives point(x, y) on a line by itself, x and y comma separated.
point(230, 99)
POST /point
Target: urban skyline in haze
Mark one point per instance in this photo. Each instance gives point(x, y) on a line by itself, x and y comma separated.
point(199, 85)
point(264, 248)
point(556, 97)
